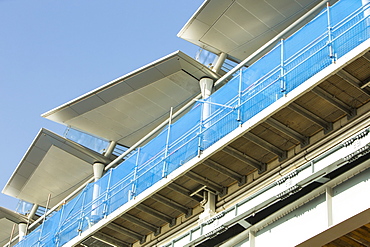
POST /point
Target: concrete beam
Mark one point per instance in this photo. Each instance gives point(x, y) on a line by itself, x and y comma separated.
point(141, 223)
point(219, 189)
point(354, 81)
point(184, 191)
point(226, 171)
point(245, 158)
point(304, 140)
point(310, 116)
point(266, 145)
point(351, 112)
point(156, 214)
point(110, 240)
point(172, 204)
point(127, 232)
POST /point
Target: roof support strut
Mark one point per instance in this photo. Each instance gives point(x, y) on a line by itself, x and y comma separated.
point(122, 230)
point(265, 145)
point(351, 112)
point(142, 223)
point(184, 191)
point(172, 204)
point(245, 158)
point(310, 116)
point(353, 81)
point(207, 182)
point(226, 171)
point(156, 214)
point(304, 140)
point(110, 240)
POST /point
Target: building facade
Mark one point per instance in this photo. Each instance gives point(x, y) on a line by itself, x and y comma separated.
point(264, 143)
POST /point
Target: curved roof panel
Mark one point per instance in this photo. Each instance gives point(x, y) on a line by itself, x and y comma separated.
point(53, 165)
point(7, 220)
point(240, 27)
point(128, 108)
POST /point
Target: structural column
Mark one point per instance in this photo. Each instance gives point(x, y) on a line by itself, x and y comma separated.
point(329, 205)
point(22, 229)
point(209, 202)
point(220, 61)
point(32, 212)
point(98, 169)
point(206, 88)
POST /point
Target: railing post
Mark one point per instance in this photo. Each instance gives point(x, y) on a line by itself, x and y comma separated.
point(240, 89)
point(330, 38)
point(200, 134)
point(164, 170)
point(106, 206)
point(366, 11)
point(82, 218)
point(134, 179)
point(43, 222)
point(282, 70)
point(56, 239)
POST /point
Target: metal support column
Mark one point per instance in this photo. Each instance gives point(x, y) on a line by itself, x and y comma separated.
point(98, 173)
point(33, 211)
point(329, 205)
point(22, 229)
point(209, 206)
point(220, 61)
point(206, 87)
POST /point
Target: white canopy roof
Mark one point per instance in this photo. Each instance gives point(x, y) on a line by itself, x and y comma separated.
point(128, 108)
point(239, 27)
point(52, 165)
point(7, 220)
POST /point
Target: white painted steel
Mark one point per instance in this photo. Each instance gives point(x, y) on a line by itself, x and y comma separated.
point(240, 27)
point(220, 61)
point(52, 165)
point(98, 169)
point(22, 229)
point(128, 108)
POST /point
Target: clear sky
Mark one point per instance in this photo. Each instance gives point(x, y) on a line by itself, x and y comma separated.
point(52, 51)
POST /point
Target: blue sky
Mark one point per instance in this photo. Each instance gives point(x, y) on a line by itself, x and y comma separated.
point(54, 51)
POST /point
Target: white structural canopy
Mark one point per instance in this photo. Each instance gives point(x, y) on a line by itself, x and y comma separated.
point(128, 108)
point(240, 27)
point(53, 165)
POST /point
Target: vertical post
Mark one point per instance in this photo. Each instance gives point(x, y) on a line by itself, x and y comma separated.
point(56, 238)
point(200, 134)
point(110, 149)
point(240, 89)
point(11, 236)
point(330, 38)
point(22, 229)
point(134, 180)
point(33, 211)
point(164, 170)
point(252, 238)
point(106, 206)
point(43, 222)
point(329, 205)
point(98, 169)
point(282, 71)
point(366, 7)
point(206, 87)
point(209, 206)
point(220, 62)
point(80, 225)
point(31, 215)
